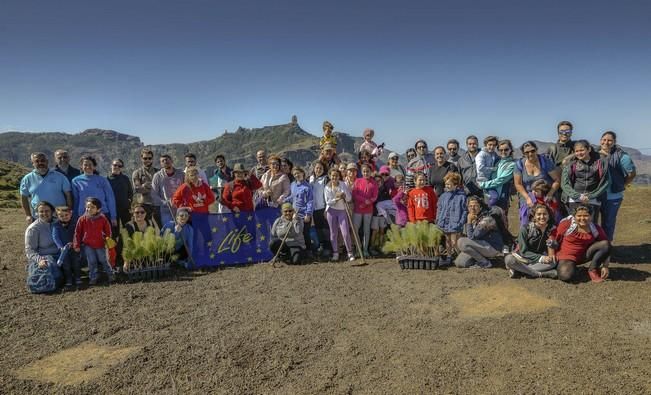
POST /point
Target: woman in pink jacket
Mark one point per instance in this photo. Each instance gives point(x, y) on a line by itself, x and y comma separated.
point(365, 192)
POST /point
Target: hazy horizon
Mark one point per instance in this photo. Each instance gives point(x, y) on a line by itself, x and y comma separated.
point(158, 69)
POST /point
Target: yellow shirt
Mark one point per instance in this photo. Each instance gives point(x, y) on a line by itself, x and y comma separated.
point(332, 140)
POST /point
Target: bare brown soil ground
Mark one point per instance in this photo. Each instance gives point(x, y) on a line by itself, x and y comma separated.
point(333, 328)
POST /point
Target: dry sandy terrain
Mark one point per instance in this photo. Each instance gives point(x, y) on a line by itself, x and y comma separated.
point(333, 328)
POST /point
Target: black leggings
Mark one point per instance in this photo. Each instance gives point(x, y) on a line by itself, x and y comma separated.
point(293, 255)
point(597, 254)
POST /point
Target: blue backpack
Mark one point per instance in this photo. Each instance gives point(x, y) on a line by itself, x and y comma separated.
point(42, 280)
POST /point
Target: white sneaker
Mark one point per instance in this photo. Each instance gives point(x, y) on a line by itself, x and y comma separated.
point(351, 257)
point(335, 257)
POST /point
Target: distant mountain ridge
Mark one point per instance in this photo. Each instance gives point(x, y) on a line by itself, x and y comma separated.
point(288, 140)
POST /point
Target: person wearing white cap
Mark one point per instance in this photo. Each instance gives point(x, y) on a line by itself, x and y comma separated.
point(394, 165)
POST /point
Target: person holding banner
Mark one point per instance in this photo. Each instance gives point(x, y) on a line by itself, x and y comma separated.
point(193, 193)
point(238, 194)
point(287, 236)
point(183, 235)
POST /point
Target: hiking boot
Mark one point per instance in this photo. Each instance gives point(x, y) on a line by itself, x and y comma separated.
point(373, 251)
point(513, 274)
point(335, 257)
point(69, 287)
point(92, 281)
point(444, 262)
point(549, 274)
point(485, 264)
point(595, 276)
point(366, 254)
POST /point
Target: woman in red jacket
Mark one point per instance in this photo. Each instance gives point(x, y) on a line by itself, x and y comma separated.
point(365, 192)
point(577, 240)
point(421, 201)
point(194, 193)
point(238, 194)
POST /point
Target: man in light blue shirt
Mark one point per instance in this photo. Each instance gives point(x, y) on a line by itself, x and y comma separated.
point(43, 184)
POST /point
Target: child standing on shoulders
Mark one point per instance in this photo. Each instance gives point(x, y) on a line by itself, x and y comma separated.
point(421, 201)
point(337, 194)
point(328, 137)
point(183, 235)
point(369, 145)
point(91, 232)
point(451, 214)
point(63, 233)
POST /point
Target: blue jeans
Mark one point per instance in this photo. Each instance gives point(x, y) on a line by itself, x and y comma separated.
point(609, 209)
point(93, 256)
point(72, 267)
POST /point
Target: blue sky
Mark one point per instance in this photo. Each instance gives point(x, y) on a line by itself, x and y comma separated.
point(173, 71)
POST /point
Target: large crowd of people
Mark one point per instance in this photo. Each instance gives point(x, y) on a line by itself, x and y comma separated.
point(568, 198)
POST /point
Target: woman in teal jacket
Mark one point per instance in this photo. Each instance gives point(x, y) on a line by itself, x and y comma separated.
point(497, 190)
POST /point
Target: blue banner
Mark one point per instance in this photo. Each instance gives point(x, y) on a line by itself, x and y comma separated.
point(234, 238)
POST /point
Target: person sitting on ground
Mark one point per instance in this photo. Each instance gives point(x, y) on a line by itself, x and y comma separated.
point(288, 227)
point(529, 169)
point(532, 256)
point(577, 240)
point(483, 239)
point(421, 201)
point(276, 184)
point(139, 221)
point(63, 233)
point(585, 178)
point(451, 214)
point(183, 236)
point(238, 194)
point(41, 251)
point(194, 193)
point(337, 194)
point(91, 232)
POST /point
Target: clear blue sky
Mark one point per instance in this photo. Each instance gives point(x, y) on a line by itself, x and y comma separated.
point(180, 71)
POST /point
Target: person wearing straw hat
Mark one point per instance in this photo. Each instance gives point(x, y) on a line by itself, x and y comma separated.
point(238, 194)
point(287, 235)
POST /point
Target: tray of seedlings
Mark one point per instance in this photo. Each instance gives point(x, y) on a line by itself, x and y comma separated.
point(148, 255)
point(416, 245)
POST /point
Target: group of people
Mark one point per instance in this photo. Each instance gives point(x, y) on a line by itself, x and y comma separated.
point(568, 199)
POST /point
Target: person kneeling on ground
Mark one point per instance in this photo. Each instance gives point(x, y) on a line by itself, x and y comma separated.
point(43, 274)
point(288, 228)
point(183, 235)
point(577, 240)
point(533, 257)
point(484, 239)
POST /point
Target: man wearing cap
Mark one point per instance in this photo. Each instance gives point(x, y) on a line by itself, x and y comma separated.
point(43, 184)
point(395, 167)
point(564, 146)
point(238, 194)
point(62, 159)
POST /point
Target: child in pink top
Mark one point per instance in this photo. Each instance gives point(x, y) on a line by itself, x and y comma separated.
point(365, 192)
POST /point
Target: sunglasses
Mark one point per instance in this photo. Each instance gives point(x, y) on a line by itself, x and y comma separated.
point(504, 150)
point(421, 147)
point(116, 165)
point(147, 158)
point(288, 211)
point(139, 212)
point(565, 132)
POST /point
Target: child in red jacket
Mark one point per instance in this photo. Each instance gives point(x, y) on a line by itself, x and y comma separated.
point(194, 193)
point(421, 201)
point(90, 233)
point(238, 194)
